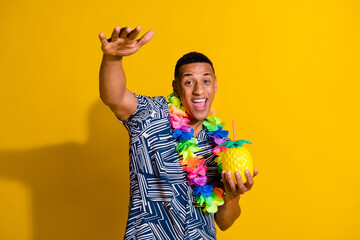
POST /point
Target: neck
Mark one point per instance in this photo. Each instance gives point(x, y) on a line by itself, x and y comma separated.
point(196, 125)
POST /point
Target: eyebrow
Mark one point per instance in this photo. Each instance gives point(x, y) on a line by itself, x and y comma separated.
point(190, 74)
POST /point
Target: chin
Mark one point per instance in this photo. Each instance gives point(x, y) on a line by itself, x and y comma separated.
point(201, 116)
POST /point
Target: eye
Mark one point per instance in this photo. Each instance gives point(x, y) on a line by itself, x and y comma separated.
point(207, 81)
point(188, 82)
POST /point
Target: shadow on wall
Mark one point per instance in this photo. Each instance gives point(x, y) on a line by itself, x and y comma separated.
point(77, 191)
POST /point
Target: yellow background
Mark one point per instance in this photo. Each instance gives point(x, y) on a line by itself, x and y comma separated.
point(288, 73)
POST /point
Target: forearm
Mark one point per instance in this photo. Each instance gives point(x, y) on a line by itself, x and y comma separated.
point(112, 85)
point(228, 213)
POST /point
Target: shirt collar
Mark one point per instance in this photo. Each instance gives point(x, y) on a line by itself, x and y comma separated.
point(202, 134)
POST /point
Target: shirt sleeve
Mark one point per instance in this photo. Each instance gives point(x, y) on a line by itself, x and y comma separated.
point(147, 109)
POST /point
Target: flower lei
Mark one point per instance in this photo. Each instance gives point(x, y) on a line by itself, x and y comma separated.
point(207, 195)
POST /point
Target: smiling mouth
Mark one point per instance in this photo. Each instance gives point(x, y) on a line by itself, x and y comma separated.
point(198, 100)
point(199, 104)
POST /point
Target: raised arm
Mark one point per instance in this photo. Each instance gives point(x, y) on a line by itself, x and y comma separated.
point(112, 85)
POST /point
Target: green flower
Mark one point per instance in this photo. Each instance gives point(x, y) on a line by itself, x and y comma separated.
point(183, 145)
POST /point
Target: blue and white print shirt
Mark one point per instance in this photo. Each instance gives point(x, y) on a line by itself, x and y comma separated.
point(161, 202)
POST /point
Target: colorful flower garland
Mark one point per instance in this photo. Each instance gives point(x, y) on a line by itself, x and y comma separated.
point(209, 196)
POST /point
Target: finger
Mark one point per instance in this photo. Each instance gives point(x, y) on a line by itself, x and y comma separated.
point(124, 32)
point(146, 38)
point(225, 182)
point(230, 181)
point(115, 34)
point(134, 33)
point(103, 39)
point(240, 183)
point(255, 172)
point(250, 182)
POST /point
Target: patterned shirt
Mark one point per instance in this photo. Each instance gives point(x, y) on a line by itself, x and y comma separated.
point(161, 202)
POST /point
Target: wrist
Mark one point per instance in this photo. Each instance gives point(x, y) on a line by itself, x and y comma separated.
point(231, 198)
point(112, 58)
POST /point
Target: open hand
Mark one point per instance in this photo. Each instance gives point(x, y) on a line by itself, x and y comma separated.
point(123, 41)
point(234, 190)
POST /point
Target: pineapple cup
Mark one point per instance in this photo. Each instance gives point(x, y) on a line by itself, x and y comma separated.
point(237, 158)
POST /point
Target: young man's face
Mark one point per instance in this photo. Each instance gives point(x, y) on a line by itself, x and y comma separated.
point(196, 86)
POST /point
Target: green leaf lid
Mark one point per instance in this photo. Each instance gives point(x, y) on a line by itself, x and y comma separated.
point(234, 144)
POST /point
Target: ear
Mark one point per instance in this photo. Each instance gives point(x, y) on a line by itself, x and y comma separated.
point(175, 89)
point(215, 84)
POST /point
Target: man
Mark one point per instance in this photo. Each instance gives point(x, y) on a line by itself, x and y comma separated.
point(161, 200)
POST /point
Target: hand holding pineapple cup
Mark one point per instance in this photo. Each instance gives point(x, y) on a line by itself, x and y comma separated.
point(233, 189)
point(238, 170)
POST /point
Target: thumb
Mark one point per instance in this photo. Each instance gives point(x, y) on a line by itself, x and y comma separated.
point(103, 40)
point(146, 38)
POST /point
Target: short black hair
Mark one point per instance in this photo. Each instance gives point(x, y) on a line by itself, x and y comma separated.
point(191, 57)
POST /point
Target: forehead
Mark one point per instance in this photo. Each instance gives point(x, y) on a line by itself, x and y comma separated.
point(195, 69)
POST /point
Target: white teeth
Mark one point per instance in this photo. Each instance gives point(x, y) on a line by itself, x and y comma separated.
point(199, 100)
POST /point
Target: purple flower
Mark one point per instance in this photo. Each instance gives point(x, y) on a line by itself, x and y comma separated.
point(218, 141)
point(185, 129)
point(198, 181)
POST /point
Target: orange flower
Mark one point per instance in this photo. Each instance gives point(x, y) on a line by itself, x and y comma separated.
point(218, 191)
point(176, 111)
point(212, 112)
point(192, 163)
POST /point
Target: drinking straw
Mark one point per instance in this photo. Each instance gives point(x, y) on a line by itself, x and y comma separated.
point(233, 123)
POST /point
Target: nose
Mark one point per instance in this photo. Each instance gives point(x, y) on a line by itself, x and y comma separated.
point(198, 88)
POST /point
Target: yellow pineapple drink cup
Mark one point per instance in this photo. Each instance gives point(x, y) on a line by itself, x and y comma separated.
point(237, 158)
